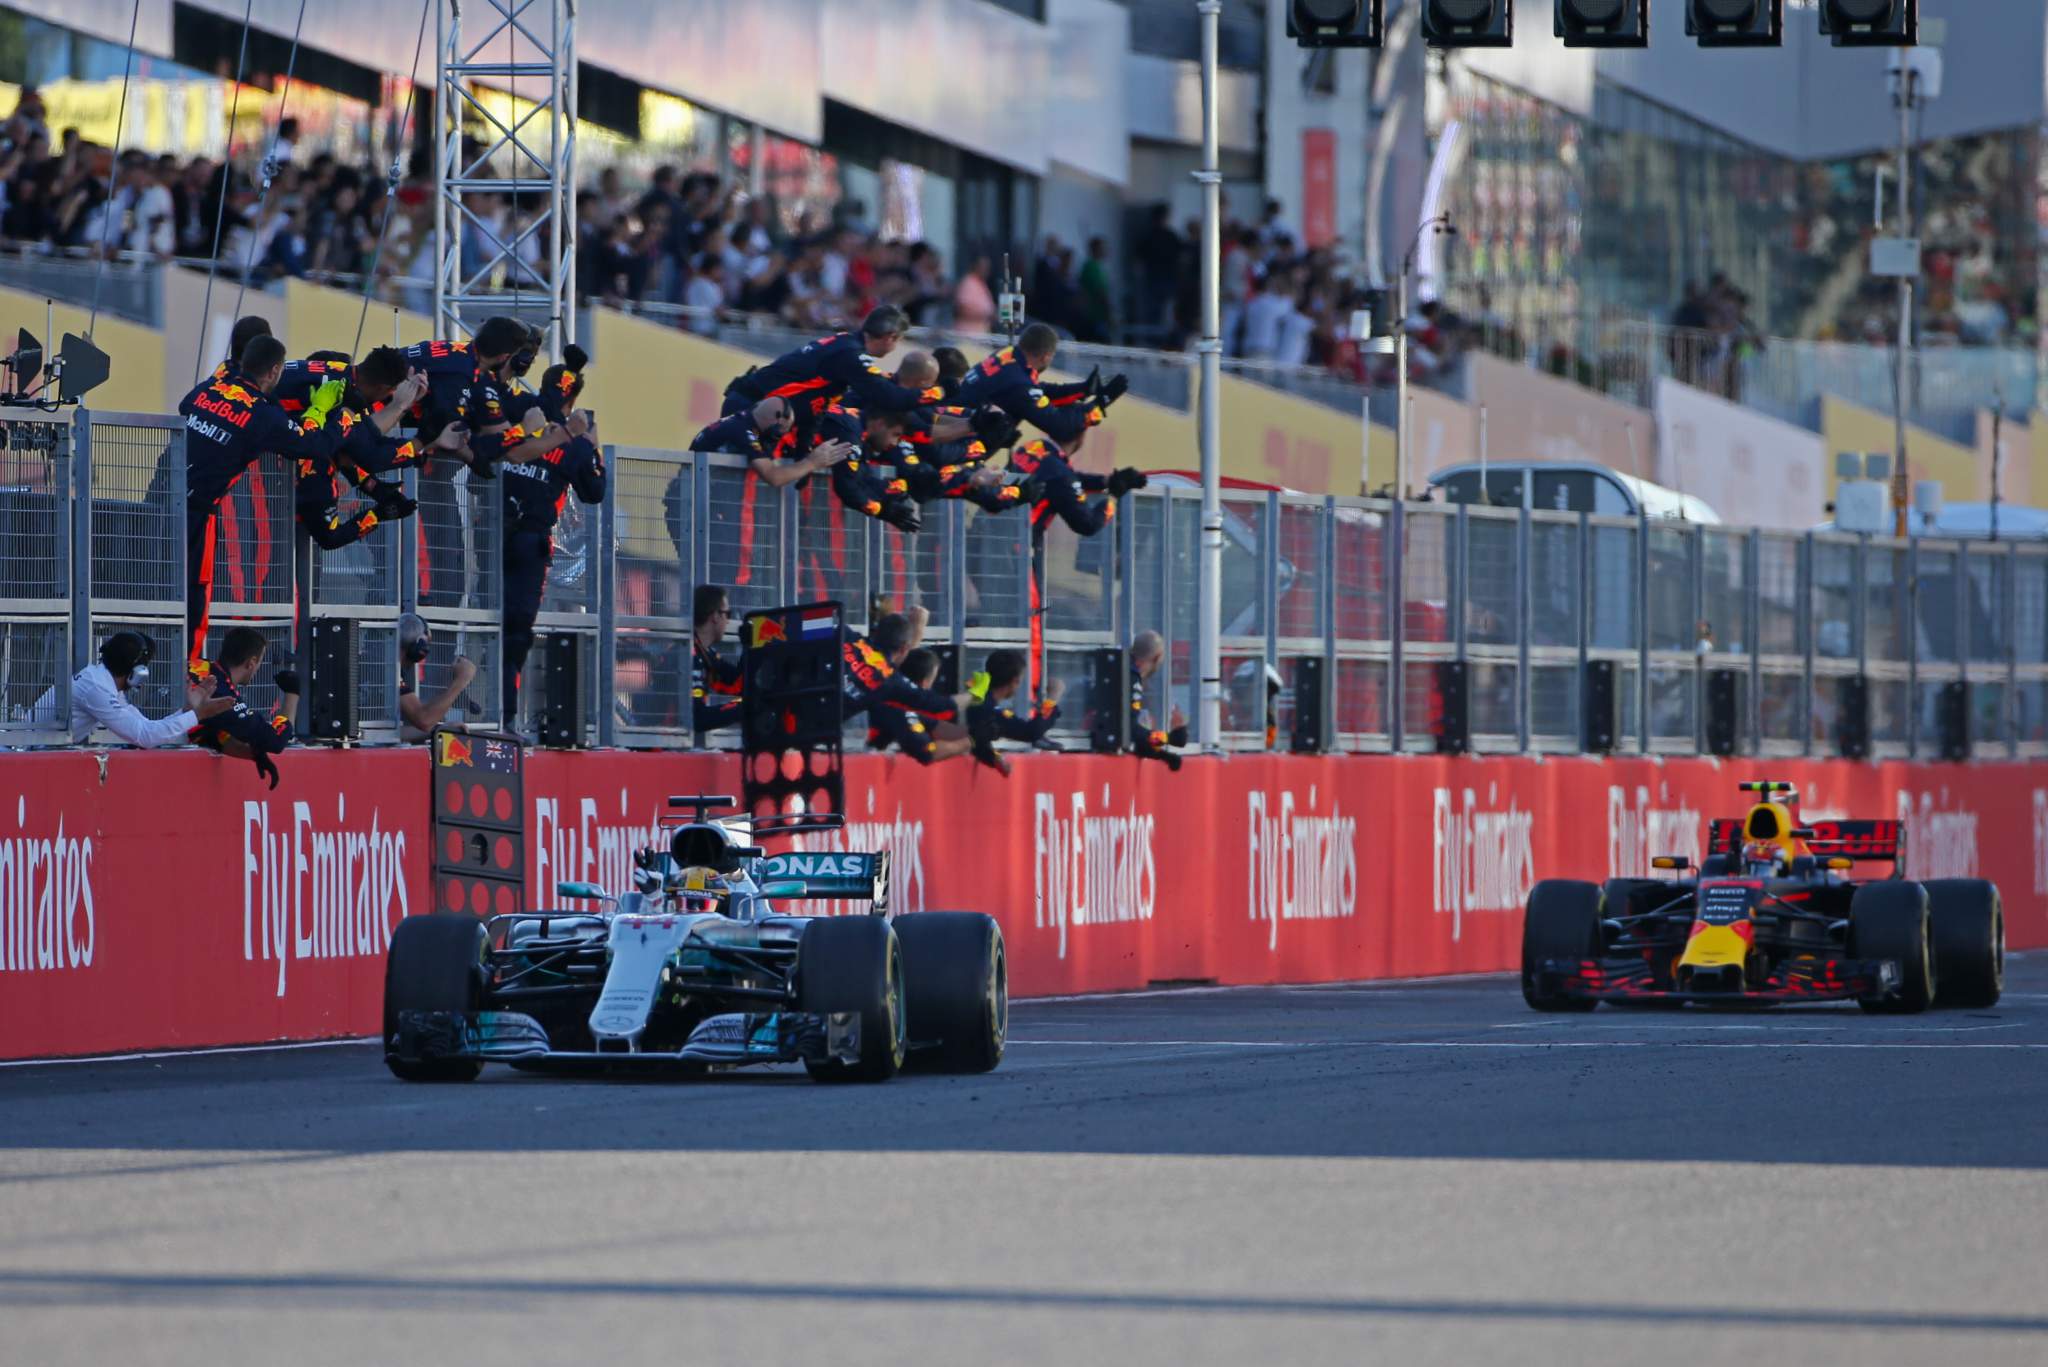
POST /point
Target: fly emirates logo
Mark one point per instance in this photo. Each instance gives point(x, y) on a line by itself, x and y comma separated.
point(586, 848)
point(1090, 869)
point(1638, 832)
point(1484, 856)
point(315, 890)
point(1303, 865)
point(1939, 843)
point(46, 915)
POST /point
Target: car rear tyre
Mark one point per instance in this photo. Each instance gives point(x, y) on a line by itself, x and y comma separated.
point(855, 963)
point(1889, 920)
point(435, 964)
point(1562, 922)
point(1969, 941)
point(956, 981)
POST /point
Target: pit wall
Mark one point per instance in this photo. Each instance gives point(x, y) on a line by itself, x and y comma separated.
point(155, 901)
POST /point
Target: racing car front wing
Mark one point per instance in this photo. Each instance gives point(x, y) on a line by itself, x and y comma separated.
point(725, 1040)
point(1798, 980)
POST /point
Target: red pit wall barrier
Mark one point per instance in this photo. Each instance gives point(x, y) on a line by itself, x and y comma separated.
point(170, 900)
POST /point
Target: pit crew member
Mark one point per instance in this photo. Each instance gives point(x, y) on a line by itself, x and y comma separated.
point(240, 732)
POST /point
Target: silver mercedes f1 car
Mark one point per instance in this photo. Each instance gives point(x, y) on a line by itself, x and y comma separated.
point(700, 967)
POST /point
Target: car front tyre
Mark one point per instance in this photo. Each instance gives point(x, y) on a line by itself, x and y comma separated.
point(1562, 922)
point(435, 963)
point(1889, 920)
point(855, 963)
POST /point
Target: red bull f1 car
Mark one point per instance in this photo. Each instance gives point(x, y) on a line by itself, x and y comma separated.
point(703, 966)
point(1772, 914)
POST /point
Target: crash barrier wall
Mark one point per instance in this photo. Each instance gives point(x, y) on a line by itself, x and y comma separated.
point(169, 900)
point(1382, 593)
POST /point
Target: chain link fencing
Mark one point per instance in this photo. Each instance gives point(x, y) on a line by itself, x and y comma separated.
point(1381, 597)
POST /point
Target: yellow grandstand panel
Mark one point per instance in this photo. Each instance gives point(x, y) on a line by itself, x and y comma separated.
point(135, 352)
point(317, 318)
point(1964, 478)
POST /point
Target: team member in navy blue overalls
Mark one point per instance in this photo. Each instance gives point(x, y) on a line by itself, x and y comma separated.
point(231, 421)
point(379, 390)
point(714, 680)
point(1008, 379)
point(467, 384)
point(1061, 492)
point(241, 733)
point(819, 374)
point(536, 485)
point(896, 708)
point(865, 480)
point(993, 717)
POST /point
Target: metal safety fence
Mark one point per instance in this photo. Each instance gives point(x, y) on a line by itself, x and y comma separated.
point(1380, 595)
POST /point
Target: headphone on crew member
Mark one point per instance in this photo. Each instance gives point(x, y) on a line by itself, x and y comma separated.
point(415, 641)
point(129, 653)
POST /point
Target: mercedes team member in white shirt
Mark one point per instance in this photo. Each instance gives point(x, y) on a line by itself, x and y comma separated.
point(99, 697)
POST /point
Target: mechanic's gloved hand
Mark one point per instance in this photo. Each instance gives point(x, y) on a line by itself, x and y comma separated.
point(322, 402)
point(267, 768)
point(392, 503)
point(1110, 392)
point(287, 681)
point(903, 514)
point(977, 684)
point(994, 427)
point(1123, 481)
point(1094, 381)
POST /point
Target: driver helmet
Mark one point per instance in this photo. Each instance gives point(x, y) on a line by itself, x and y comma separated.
point(702, 882)
point(1767, 852)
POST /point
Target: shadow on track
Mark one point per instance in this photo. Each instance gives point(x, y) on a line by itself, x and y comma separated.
point(272, 1293)
point(1319, 1073)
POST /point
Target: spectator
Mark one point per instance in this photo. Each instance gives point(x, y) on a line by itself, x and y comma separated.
point(1097, 322)
point(1160, 254)
point(290, 252)
point(973, 302)
point(1273, 230)
point(706, 292)
point(1265, 316)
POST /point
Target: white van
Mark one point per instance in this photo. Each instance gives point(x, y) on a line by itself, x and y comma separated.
point(1567, 487)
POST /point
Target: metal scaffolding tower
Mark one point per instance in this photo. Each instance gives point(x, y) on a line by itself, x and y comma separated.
point(505, 171)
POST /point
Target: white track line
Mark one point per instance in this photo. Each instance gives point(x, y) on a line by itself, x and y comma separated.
point(1360, 985)
point(1773, 1028)
point(1496, 1044)
point(189, 1053)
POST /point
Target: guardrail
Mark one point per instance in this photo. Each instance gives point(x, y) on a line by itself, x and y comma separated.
point(92, 540)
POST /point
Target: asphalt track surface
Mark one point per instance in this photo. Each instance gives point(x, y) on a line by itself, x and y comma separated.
point(1395, 1173)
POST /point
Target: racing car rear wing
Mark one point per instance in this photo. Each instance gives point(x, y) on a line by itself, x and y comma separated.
point(1864, 841)
point(828, 874)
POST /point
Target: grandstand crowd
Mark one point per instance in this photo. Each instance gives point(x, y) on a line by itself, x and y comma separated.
point(690, 239)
